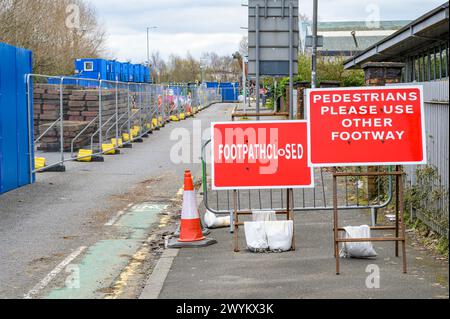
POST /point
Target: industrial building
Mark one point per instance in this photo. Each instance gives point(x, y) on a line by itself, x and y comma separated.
point(345, 39)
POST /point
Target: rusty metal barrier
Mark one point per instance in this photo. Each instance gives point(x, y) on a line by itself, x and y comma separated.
point(399, 228)
point(235, 114)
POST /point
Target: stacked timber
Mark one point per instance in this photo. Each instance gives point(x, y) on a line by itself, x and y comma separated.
point(51, 141)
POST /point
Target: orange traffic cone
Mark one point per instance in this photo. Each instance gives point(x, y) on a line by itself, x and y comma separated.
point(191, 225)
point(191, 233)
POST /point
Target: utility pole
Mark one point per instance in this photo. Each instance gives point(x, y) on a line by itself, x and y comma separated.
point(291, 63)
point(315, 44)
point(244, 82)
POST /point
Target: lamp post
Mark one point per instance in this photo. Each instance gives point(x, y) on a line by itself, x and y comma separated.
point(244, 81)
point(203, 65)
point(314, 49)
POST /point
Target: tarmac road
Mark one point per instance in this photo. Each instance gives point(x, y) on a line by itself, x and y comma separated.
point(42, 224)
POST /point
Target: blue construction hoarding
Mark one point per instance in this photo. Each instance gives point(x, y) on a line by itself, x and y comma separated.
point(229, 90)
point(16, 121)
point(100, 69)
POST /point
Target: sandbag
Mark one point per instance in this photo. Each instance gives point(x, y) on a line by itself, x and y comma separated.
point(280, 235)
point(212, 221)
point(358, 250)
point(256, 237)
point(264, 216)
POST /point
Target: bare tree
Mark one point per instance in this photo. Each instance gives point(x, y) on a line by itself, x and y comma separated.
point(56, 31)
point(158, 67)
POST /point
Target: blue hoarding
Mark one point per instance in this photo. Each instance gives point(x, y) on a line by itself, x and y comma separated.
point(16, 125)
point(100, 69)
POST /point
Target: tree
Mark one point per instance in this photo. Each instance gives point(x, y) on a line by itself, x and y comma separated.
point(329, 69)
point(221, 68)
point(158, 68)
point(184, 69)
point(56, 31)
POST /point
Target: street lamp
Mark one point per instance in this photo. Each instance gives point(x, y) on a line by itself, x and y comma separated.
point(244, 80)
point(203, 66)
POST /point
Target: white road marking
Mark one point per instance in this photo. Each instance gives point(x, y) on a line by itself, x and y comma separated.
point(44, 282)
point(114, 220)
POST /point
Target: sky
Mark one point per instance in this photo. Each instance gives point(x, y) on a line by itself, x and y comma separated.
point(198, 26)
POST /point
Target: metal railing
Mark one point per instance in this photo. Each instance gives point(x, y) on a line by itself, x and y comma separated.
point(431, 64)
point(433, 179)
point(354, 194)
point(72, 114)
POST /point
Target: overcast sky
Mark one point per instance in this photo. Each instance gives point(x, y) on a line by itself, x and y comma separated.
point(198, 26)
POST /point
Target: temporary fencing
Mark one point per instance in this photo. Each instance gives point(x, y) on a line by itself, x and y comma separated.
point(83, 119)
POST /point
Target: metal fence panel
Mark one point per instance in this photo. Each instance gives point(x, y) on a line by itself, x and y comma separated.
point(436, 95)
point(95, 116)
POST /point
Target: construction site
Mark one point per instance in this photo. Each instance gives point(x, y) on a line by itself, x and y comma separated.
point(256, 175)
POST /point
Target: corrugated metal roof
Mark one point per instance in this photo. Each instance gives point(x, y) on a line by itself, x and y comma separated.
point(348, 43)
point(361, 25)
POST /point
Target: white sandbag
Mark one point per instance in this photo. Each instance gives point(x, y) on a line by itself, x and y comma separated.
point(209, 219)
point(222, 222)
point(264, 216)
point(280, 235)
point(358, 250)
point(255, 234)
point(212, 221)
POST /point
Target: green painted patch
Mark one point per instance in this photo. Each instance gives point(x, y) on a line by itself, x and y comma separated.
point(104, 261)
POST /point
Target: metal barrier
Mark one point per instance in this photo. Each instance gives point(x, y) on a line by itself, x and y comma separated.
point(354, 196)
point(84, 119)
point(399, 228)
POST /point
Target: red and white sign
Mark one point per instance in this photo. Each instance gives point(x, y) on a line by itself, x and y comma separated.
point(260, 155)
point(366, 126)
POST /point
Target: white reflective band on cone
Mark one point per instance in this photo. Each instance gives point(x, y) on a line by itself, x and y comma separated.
point(190, 208)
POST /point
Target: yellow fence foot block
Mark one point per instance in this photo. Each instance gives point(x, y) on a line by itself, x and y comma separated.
point(126, 137)
point(39, 163)
point(85, 155)
point(115, 144)
point(108, 149)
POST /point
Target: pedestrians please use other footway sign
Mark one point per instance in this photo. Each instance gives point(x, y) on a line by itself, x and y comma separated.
point(366, 126)
point(260, 155)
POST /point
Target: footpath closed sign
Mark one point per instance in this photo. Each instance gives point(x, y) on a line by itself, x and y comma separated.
point(366, 126)
point(260, 155)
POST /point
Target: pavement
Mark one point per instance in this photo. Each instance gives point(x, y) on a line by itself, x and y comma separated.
point(71, 218)
point(217, 272)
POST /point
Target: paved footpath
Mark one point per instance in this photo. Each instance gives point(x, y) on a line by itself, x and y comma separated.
point(73, 217)
point(309, 272)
